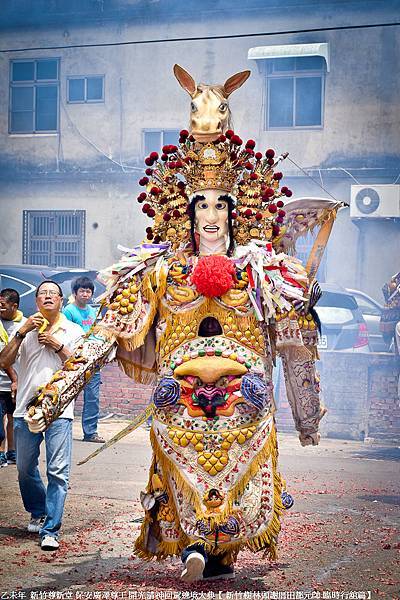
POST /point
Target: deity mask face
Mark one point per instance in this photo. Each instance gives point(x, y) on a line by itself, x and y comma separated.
point(211, 215)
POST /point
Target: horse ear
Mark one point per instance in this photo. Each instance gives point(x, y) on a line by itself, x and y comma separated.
point(185, 80)
point(235, 82)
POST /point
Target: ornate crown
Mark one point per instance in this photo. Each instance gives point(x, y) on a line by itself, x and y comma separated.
point(224, 164)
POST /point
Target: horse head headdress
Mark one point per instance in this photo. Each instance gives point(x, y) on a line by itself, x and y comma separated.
point(210, 115)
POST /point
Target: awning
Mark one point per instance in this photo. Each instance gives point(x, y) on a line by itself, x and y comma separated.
point(290, 50)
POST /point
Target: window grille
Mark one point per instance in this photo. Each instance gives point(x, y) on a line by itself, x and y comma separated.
point(55, 238)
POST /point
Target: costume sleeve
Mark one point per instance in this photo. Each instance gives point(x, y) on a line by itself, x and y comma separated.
point(297, 339)
point(131, 303)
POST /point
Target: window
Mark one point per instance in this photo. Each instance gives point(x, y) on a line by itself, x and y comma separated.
point(34, 86)
point(295, 92)
point(55, 238)
point(155, 139)
point(85, 89)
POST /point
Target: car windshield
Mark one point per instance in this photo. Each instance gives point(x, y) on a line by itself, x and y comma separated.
point(334, 315)
point(337, 300)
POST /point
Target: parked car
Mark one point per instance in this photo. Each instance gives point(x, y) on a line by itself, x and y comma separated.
point(26, 278)
point(342, 324)
point(372, 311)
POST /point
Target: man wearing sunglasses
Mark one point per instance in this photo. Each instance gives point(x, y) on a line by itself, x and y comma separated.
point(42, 344)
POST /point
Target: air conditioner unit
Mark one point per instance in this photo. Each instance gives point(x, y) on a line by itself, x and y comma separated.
point(375, 201)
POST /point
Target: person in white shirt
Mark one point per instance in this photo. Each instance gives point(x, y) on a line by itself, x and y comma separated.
point(41, 352)
point(11, 319)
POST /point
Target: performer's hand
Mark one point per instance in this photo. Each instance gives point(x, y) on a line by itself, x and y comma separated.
point(309, 439)
point(33, 322)
point(36, 424)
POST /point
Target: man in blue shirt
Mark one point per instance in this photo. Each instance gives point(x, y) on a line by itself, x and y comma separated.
point(83, 314)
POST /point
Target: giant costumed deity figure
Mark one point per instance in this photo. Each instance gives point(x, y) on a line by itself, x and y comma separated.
point(201, 310)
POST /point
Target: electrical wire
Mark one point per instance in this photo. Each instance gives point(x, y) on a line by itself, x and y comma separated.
point(93, 145)
point(204, 38)
point(316, 181)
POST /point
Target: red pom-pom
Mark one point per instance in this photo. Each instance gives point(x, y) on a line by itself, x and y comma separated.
point(270, 153)
point(181, 185)
point(234, 215)
point(153, 156)
point(235, 139)
point(155, 191)
point(258, 155)
point(272, 208)
point(149, 171)
point(268, 193)
point(289, 193)
point(213, 276)
point(259, 216)
point(248, 212)
point(229, 133)
point(275, 230)
point(250, 144)
point(176, 214)
point(184, 133)
point(144, 181)
point(278, 176)
point(253, 176)
point(166, 216)
point(281, 213)
point(280, 203)
point(151, 213)
point(148, 161)
point(222, 138)
point(164, 157)
point(270, 161)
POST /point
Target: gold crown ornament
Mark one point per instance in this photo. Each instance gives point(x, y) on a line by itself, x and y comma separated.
point(171, 179)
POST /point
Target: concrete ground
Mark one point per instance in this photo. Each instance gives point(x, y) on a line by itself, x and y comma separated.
point(342, 535)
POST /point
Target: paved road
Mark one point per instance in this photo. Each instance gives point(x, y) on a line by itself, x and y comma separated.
point(341, 535)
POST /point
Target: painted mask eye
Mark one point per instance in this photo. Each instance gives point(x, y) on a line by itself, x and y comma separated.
point(220, 206)
point(223, 107)
point(202, 205)
point(193, 107)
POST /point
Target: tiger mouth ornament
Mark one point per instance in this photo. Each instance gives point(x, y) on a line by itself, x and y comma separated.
point(225, 164)
point(203, 323)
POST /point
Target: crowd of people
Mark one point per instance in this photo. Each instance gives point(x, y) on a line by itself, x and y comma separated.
point(32, 350)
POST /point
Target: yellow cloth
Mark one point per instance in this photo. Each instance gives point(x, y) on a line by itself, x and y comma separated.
point(3, 333)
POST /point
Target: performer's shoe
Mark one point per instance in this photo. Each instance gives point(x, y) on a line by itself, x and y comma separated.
point(194, 567)
point(49, 543)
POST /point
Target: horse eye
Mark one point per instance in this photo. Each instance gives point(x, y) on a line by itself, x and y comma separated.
point(193, 107)
point(223, 107)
